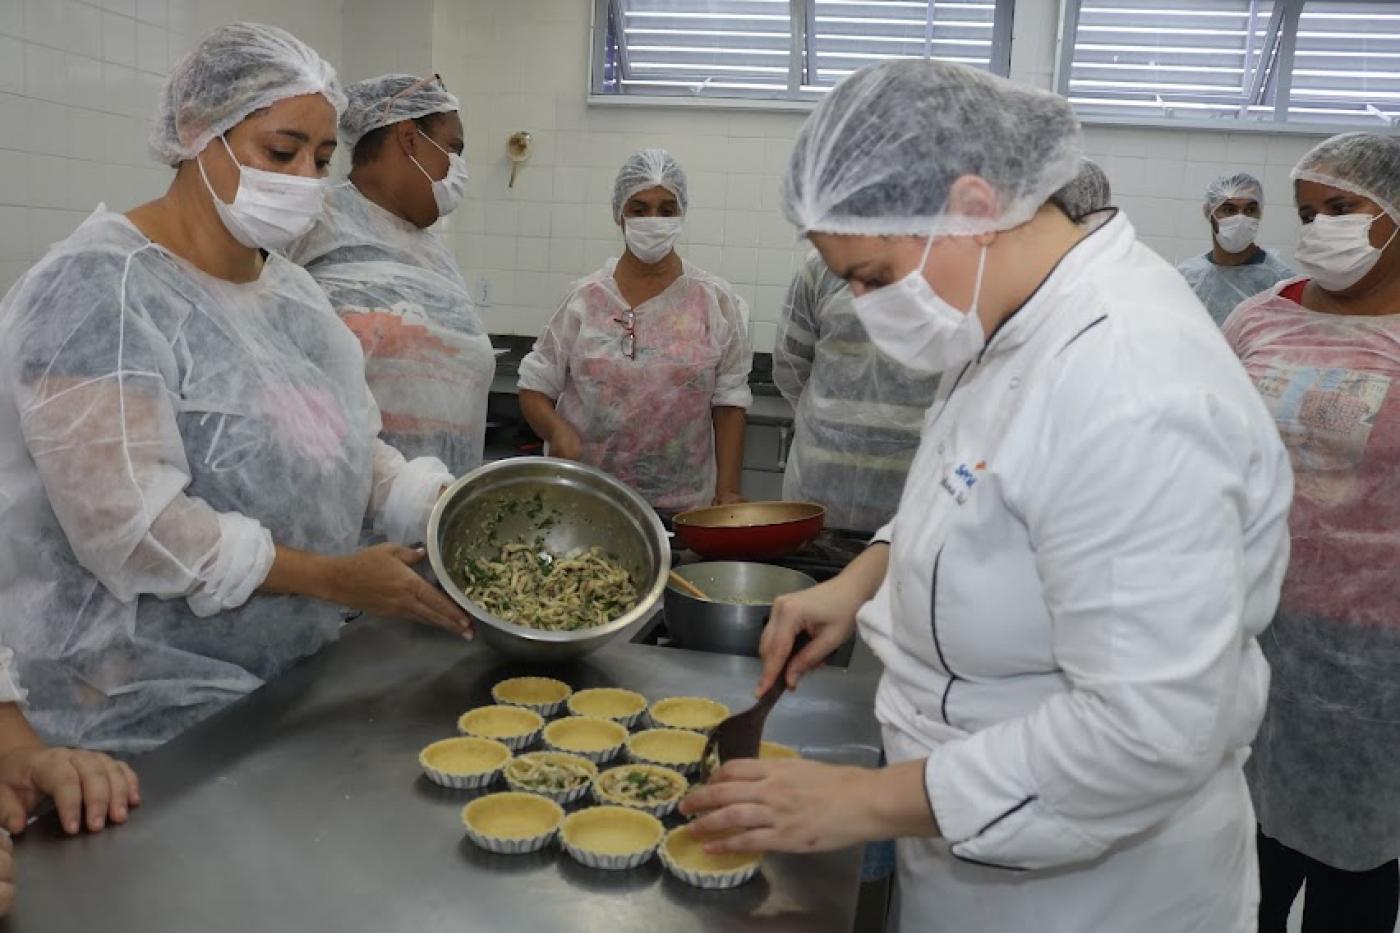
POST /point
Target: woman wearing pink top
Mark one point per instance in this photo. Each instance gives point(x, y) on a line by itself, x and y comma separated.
point(643, 371)
point(1324, 351)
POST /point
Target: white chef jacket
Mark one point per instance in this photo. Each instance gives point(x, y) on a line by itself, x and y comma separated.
point(1093, 535)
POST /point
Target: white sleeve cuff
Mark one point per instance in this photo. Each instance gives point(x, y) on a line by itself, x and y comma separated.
point(538, 374)
point(10, 690)
point(885, 535)
point(404, 518)
point(739, 396)
point(239, 566)
point(991, 819)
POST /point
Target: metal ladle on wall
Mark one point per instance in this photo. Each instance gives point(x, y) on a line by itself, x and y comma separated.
point(518, 151)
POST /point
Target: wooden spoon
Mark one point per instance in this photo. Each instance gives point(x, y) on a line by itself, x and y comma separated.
point(686, 586)
point(741, 735)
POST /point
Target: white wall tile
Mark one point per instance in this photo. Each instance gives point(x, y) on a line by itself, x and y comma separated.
point(152, 51)
point(46, 22)
point(45, 73)
point(119, 39)
point(11, 65)
point(156, 12)
point(12, 18)
point(85, 30)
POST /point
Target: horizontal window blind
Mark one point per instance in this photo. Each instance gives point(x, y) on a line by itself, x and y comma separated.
point(1306, 61)
point(1196, 58)
point(785, 49)
point(846, 36)
point(1346, 63)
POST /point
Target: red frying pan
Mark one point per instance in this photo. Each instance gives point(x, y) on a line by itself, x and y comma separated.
point(750, 530)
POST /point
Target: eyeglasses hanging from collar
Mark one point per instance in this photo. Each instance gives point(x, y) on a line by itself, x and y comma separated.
point(628, 320)
point(421, 82)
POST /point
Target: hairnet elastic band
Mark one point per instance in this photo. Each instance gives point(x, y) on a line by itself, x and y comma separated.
point(1334, 182)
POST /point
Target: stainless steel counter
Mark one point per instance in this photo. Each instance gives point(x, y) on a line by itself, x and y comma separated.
point(302, 808)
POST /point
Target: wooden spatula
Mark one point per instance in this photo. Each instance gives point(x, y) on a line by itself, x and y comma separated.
point(741, 735)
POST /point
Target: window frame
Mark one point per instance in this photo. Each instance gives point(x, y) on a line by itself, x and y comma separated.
point(802, 13)
point(1288, 14)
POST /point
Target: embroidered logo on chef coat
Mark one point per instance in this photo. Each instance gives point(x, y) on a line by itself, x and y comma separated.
point(959, 484)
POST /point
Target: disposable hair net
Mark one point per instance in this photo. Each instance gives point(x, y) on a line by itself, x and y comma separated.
point(1226, 187)
point(1087, 192)
point(234, 71)
point(881, 152)
point(858, 413)
point(381, 101)
point(1367, 164)
point(161, 430)
point(650, 168)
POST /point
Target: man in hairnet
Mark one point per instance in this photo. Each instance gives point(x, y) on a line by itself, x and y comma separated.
point(393, 281)
point(643, 371)
point(1236, 267)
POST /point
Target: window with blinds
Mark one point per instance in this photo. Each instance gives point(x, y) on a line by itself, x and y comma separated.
point(782, 49)
point(1346, 63)
point(1267, 61)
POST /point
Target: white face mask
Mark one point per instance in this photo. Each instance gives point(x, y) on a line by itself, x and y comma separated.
point(651, 239)
point(270, 210)
point(1235, 234)
point(1336, 252)
point(911, 324)
point(449, 191)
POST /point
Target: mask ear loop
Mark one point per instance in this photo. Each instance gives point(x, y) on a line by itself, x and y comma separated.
point(202, 174)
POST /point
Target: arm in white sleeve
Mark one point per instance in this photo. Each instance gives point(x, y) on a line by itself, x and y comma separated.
point(798, 330)
point(403, 491)
point(1137, 527)
point(545, 369)
point(736, 355)
point(111, 459)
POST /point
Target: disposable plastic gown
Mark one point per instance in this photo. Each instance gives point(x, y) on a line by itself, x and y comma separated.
point(428, 360)
point(1222, 288)
point(1325, 774)
point(647, 421)
point(858, 412)
point(160, 429)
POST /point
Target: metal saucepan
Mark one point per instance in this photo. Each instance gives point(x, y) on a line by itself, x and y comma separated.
point(741, 599)
point(750, 530)
point(582, 507)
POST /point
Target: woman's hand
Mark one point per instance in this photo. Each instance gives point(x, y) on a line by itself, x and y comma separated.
point(380, 580)
point(726, 497)
point(754, 805)
point(826, 612)
point(80, 782)
point(564, 441)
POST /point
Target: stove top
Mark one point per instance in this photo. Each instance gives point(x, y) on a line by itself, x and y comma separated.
point(825, 557)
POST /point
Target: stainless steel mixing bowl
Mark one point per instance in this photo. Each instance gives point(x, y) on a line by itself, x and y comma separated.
point(587, 508)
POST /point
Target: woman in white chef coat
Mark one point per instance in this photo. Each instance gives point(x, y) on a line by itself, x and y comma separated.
point(1092, 537)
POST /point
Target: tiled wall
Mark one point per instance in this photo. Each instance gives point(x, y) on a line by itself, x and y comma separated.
point(78, 83)
point(78, 87)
